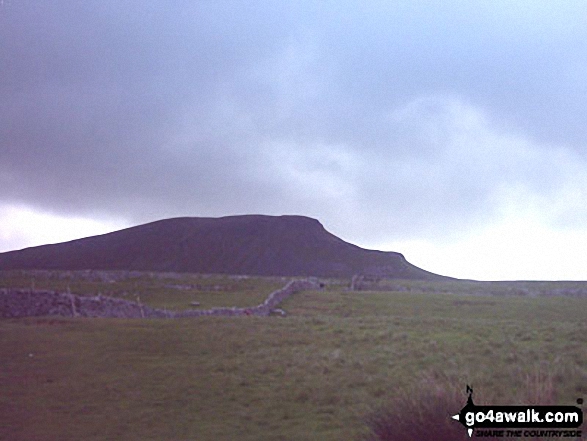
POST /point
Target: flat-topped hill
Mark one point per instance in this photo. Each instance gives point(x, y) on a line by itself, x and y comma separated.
point(248, 244)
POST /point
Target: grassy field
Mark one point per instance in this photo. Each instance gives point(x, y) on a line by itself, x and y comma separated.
point(314, 375)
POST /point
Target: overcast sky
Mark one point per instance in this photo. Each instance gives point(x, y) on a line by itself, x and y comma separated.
point(454, 132)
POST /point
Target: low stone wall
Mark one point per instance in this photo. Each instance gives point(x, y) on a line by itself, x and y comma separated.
point(23, 303)
point(263, 309)
point(27, 303)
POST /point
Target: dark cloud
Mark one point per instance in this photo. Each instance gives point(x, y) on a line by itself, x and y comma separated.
point(405, 118)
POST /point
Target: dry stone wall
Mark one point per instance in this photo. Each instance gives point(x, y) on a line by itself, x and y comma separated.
point(28, 303)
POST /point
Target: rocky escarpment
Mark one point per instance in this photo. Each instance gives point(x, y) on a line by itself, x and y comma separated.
point(29, 303)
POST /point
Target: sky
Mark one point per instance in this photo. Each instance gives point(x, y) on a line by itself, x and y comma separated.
point(453, 132)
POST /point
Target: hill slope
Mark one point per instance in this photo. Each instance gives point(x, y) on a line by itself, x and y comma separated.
point(250, 244)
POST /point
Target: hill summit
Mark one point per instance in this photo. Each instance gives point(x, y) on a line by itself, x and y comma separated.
point(248, 244)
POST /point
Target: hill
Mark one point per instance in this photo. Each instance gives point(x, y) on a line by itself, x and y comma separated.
point(249, 244)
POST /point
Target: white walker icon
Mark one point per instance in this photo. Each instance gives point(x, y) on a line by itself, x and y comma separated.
point(468, 407)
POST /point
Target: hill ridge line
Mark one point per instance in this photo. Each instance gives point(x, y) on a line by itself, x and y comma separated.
point(256, 245)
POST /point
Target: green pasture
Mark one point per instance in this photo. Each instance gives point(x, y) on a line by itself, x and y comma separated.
point(160, 290)
point(316, 374)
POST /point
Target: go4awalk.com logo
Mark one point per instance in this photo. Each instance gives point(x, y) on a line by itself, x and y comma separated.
point(520, 421)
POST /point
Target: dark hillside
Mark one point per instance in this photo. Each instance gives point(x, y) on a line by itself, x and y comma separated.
point(250, 244)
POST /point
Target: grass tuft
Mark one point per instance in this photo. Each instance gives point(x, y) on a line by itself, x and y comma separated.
point(422, 412)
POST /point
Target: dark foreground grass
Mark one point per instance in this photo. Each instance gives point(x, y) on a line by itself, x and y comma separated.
point(421, 413)
point(425, 409)
point(319, 374)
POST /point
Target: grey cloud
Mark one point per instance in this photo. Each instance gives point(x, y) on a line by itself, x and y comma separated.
point(339, 110)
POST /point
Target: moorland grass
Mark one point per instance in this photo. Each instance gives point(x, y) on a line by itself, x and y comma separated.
point(320, 373)
point(174, 291)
